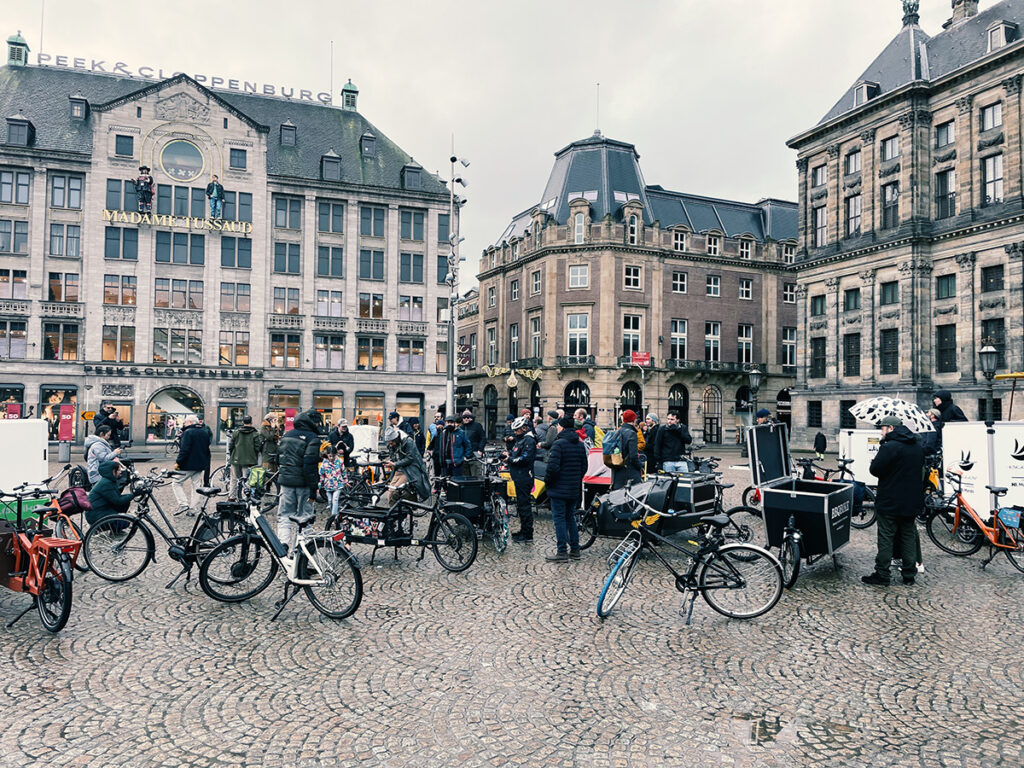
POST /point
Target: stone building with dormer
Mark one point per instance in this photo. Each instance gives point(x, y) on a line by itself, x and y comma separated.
point(912, 222)
point(605, 266)
point(322, 284)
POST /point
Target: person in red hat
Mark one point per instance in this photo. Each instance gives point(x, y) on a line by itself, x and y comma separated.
point(631, 469)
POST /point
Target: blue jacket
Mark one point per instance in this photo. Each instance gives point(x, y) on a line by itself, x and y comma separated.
point(455, 446)
point(567, 464)
point(195, 449)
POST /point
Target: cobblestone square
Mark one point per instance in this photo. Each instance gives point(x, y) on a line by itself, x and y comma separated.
point(508, 664)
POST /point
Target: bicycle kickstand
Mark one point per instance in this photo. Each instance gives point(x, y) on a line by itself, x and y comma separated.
point(286, 599)
point(992, 553)
point(689, 610)
point(31, 605)
point(186, 572)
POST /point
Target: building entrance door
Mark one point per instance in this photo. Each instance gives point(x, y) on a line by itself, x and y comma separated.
point(712, 416)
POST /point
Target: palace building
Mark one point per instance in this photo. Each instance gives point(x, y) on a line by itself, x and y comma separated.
point(321, 286)
point(604, 270)
point(912, 222)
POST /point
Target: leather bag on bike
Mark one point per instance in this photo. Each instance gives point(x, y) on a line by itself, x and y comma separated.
point(74, 501)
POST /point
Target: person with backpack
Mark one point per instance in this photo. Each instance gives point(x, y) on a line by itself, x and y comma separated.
point(627, 468)
point(521, 457)
point(567, 464)
point(671, 444)
point(97, 450)
point(243, 452)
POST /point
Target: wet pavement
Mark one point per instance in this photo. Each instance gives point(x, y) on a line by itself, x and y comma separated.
point(507, 664)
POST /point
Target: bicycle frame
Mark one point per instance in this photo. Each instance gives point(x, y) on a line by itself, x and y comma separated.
point(991, 532)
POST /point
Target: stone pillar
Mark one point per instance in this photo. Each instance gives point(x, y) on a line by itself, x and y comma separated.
point(906, 206)
point(1012, 147)
point(908, 348)
point(968, 358)
point(802, 210)
point(834, 199)
point(1015, 310)
point(868, 340)
point(965, 155)
point(869, 184)
point(832, 371)
point(803, 336)
point(924, 344)
point(920, 163)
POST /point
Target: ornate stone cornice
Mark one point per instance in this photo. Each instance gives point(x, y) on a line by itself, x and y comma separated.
point(852, 184)
point(906, 120)
point(1012, 85)
point(833, 151)
point(952, 310)
point(238, 320)
point(867, 135)
point(964, 104)
point(163, 318)
point(991, 141)
point(916, 265)
point(819, 193)
point(945, 157)
point(867, 276)
point(966, 261)
point(801, 165)
point(116, 315)
point(994, 303)
point(234, 393)
point(801, 291)
point(892, 315)
point(852, 320)
point(818, 325)
point(832, 284)
point(892, 167)
point(117, 390)
point(1015, 249)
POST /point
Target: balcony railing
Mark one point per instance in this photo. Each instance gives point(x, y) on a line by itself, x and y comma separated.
point(61, 309)
point(945, 205)
point(327, 323)
point(529, 362)
point(709, 365)
point(367, 325)
point(275, 320)
point(16, 307)
point(412, 327)
point(576, 361)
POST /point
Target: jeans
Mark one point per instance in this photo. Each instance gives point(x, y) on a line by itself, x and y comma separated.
point(294, 501)
point(899, 534)
point(676, 466)
point(216, 207)
point(563, 513)
point(334, 497)
point(178, 486)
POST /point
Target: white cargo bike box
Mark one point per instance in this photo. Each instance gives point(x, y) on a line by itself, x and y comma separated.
point(821, 510)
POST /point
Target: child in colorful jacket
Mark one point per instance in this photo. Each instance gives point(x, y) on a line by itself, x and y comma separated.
point(332, 471)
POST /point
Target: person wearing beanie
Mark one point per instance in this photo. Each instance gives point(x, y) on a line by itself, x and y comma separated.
point(651, 427)
point(477, 440)
point(631, 469)
point(395, 420)
point(763, 416)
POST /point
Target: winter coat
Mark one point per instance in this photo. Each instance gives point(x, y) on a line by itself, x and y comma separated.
point(671, 442)
point(819, 443)
point(215, 189)
point(632, 469)
point(899, 467)
point(194, 454)
point(410, 462)
point(567, 464)
point(522, 456)
point(405, 426)
point(420, 440)
point(475, 433)
point(97, 450)
point(244, 448)
point(271, 440)
point(115, 424)
point(549, 436)
point(950, 411)
point(332, 474)
point(455, 446)
point(106, 497)
point(299, 455)
point(345, 443)
point(931, 441)
point(588, 429)
point(651, 451)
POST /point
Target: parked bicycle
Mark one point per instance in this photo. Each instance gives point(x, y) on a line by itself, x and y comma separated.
point(738, 580)
point(319, 564)
point(863, 515)
point(961, 531)
point(61, 513)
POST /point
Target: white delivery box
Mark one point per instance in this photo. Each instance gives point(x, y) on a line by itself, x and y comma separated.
point(966, 448)
point(23, 452)
point(365, 436)
point(861, 445)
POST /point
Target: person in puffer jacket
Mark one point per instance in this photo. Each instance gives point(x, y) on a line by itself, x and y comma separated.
point(106, 497)
point(298, 457)
point(97, 450)
point(567, 464)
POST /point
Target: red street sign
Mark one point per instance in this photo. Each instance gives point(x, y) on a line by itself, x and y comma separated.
point(642, 358)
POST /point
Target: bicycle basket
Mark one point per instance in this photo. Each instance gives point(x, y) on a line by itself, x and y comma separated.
point(626, 547)
point(1010, 516)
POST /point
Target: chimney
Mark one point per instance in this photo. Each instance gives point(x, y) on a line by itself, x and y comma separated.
point(963, 10)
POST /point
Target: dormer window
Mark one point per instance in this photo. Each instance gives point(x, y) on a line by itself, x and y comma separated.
point(330, 167)
point(79, 106)
point(863, 91)
point(632, 232)
point(412, 177)
point(1000, 34)
point(288, 134)
point(20, 131)
point(368, 144)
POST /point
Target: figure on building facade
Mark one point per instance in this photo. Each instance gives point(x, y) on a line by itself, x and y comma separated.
point(215, 192)
point(144, 189)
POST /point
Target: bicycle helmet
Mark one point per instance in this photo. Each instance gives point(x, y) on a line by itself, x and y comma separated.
point(521, 423)
point(391, 434)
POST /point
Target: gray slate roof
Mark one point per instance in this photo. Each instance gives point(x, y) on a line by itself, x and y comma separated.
point(605, 166)
point(905, 59)
point(41, 93)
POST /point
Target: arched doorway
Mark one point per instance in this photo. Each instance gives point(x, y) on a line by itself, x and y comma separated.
point(679, 403)
point(513, 402)
point(535, 398)
point(167, 409)
point(577, 395)
point(490, 410)
point(784, 408)
point(630, 399)
point(712, 401)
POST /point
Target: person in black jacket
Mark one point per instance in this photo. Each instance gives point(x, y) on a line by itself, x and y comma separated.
point(567, 464)
point(898, 465)
point(418, 437)
point(819, 445)
point(651, 427)
point(948, 410)
point(298, 458)
point(106, 498)
point(632, 469)
point(671, 444)
point(520, 467)
point(215, 192)
point(193, 459)
point(107, 414)
point(343, 441)
point(477, 440)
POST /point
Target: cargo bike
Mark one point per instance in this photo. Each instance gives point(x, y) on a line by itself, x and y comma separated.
point(803, 519)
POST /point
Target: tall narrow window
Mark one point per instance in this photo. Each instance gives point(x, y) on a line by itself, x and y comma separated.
point(853, 212)
point(889, 351)
point(578, 228)
point(630, 334)
point(945, 349)
point(745, 343)
point(890, 205)
point(945, 194)
point(677, 340)
point(632, 230)
point(712, 342)
point(820, 226)
point(851, 354)
point(992, 178)
point(817, 358)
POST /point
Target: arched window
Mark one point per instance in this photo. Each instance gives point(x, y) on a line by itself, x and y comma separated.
point(743, 399)
point(630, 397)
point(712, 403)
point(578, 226)
point(577, 395)
point(632, 232)
point(167, 409)
point(490, 411)
point(679, 403)
point(535, 396)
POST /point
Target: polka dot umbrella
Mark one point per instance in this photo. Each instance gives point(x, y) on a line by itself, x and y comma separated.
point(877, 408)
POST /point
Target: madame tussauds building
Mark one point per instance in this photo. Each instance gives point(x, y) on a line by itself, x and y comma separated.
point(319, 285)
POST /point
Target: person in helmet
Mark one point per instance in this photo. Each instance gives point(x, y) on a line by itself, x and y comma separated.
point(407, 462)
point(520, 466)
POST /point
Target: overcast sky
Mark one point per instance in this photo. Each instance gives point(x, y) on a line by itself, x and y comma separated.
point(707, 90)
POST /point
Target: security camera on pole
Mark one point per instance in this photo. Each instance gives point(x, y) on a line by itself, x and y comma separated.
point(452, 278)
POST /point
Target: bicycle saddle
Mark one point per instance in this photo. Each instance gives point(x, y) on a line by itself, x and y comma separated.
point(723, 486)
point(302, 519)
point(997, 490)
point(718, 521)
point(208, 490)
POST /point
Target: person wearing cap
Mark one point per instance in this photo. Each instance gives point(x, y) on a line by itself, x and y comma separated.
point(521, 457)
point(410, 470)
point(144, 189)
point(563, 479)
point(551, 432)
point(453, 448)
point(763, 416)
point(631, 469)
point(477, 440)
point(343, 441)
point(395, 420)
point(899, 466)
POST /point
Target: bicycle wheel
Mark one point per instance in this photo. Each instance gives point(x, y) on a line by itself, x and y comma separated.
point(741, 581)
point(66, 528)
point(221, 478)
point(118, 547)
point(752, 497)
point(499, 523)
point(617, 581)
point(54, 599)
point(789, 559)
point(1015, 538)
point(959, 537)
point(586, 525)
point(171, 449)
point(746, 525)
point(237, 569)
point(340, 587)
point(458, 550)
point(867, 515)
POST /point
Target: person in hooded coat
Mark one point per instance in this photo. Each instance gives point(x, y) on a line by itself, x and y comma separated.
point(106, 497)
point(567, 464)
point(948, 410)
point(899, 466)
point(97, 449)
point(299, 459)
point(407, 459)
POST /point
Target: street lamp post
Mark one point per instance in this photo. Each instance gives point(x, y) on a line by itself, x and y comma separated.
point(989, 358)
point(452, 278)
point(754, 381)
